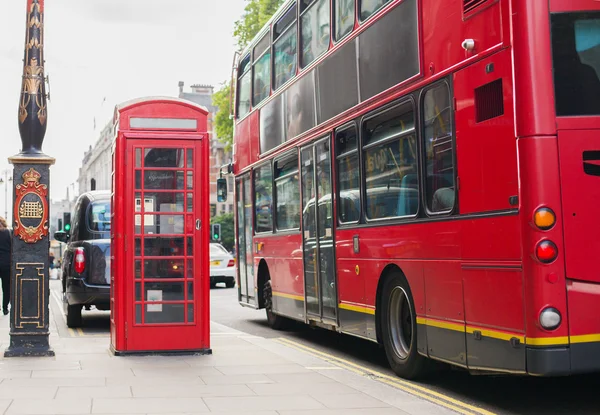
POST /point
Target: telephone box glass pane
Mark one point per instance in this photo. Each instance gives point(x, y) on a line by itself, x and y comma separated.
point(190, 312)
point(163, 291)
point(164, 313)
point(190, 158)
point(190, 246)
point(167, 246)
point(138, 157)
point(138, 313)
point(163, 202)
point(190, 292)
point(190, 202)
point(163, 157)
point(138, 270)
point(162, 224)
point(163, 179)
point(163, 268)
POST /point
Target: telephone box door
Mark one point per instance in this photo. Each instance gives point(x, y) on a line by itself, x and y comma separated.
point(165, 271)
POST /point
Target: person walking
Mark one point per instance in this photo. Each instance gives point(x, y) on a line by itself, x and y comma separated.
point(5, 263)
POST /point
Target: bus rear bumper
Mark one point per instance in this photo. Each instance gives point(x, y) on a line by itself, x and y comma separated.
point(561, 361)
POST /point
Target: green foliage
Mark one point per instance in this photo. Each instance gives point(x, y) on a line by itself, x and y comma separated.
point(223, 123)
point(227, 230)
point(256, 14)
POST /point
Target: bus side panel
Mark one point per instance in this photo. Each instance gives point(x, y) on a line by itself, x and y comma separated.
point(485, 141)
point(353, 307)
point(283, 255)
point(242, 145)
point(442, 42)
point(584, 325)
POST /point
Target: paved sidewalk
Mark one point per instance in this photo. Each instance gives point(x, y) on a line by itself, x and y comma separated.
point(245, 375)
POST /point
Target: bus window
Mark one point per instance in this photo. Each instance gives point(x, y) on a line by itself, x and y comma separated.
point(576, 59)
point(314, 30)
point(439, 158)
point(344, 17)
point(244, 88)
point(348, 174)
point(262, 70)
point(390, 155)
point(369, 7)
point(263, 198)
point(287, 190)
point(284, 49)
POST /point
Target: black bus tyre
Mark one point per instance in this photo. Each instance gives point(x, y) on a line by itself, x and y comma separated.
point(275, 321)
point(399, 329)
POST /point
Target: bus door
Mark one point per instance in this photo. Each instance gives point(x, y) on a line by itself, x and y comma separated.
point(246, 292)
point(317, 230)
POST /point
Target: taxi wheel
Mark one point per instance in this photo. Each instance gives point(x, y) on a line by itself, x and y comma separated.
point(399, 329)
point(74, 319)
point(275, 322)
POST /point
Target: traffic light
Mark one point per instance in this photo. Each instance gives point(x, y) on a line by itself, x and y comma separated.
point(60, 222)
point(67, 221)
point(216, 232)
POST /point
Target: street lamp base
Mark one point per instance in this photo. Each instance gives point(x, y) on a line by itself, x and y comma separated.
point(29, 346)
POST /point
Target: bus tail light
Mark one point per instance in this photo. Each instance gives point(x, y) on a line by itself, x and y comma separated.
point(544, 218)
point(550, 318)
point(231, 263)
point(79, 260)
point(546, 252)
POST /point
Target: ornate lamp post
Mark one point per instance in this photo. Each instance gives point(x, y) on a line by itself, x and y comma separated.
point(29, 320)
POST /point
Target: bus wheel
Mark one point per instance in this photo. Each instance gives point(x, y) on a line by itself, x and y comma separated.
point(399, 329)
point(275, 322)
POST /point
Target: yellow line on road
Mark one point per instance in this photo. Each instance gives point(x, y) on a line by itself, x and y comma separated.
point(411, 388)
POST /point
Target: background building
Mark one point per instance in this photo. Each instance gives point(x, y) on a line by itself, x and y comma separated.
point(202, 95)
point(96, 167)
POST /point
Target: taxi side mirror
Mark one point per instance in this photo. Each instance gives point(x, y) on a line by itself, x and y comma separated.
point(61, 236)
point(221, 190)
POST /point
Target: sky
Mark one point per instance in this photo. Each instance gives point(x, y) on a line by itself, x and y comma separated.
point(100, 53)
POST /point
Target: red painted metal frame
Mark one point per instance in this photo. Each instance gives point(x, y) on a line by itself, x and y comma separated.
point(126, 337)
point(477, 270)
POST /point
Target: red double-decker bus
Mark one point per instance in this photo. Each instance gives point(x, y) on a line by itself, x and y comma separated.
point(425, 174)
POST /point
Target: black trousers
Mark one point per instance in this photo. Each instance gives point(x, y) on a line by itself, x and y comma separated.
point(5, 275)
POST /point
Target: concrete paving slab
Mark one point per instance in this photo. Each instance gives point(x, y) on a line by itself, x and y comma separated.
point(147, 405)
point(262, 369)
point(65, 381)
point(370, 411)
point(50, 406)
point(349, 401)
point(67, 392)
point(299, 378)
point(236, 379)
point(35, 392)
point(261, 403)
point(12, 374)
point(192, 391)
point(277, 389)
point(177, 372)
point(153, 381)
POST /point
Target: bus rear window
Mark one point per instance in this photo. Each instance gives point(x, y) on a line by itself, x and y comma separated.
point(576, 60)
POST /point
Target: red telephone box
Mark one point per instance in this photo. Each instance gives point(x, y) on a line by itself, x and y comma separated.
point(160, 281)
